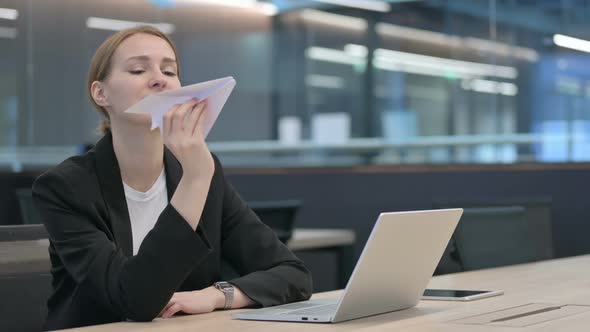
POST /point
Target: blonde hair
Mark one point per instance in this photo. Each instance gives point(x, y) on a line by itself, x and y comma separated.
point(100, 65)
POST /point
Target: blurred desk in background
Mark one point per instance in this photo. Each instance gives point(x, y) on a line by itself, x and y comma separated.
point(340, 241)
point(25, 279)
point(18, 257)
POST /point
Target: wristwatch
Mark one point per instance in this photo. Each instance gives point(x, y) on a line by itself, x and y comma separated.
point(228, 290)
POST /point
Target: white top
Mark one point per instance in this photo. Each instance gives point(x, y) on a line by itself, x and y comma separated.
point(145, 208)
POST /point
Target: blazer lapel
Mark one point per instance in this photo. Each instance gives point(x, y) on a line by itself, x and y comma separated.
point(109, 177)
point(111, 184)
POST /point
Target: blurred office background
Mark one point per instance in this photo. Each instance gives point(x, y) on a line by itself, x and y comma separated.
point(343, 109)
point(321, 84)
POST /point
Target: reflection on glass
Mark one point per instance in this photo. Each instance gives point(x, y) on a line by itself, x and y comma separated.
point(323, 82)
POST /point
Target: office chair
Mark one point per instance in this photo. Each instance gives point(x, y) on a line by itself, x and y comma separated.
point(28, 210)
point(278, 215)
point(25, 285)
point(538, 218)
point(493, 236)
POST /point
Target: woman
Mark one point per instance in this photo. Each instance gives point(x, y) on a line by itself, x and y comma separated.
point(139, 225)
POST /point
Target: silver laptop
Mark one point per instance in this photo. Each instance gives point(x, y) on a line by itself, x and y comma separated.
point(391, 273)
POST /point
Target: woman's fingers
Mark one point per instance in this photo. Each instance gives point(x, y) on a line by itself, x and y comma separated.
point(171, 302)
point(183, 117)
point(180, 113)
point(195, 117)
point(181, 138)
point(167, 123)
point(161, 314)
point(172, 310)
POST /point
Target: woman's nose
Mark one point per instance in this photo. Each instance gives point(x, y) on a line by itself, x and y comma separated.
point(157, 82)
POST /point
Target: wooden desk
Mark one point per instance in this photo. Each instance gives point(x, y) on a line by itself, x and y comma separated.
point(562, 281)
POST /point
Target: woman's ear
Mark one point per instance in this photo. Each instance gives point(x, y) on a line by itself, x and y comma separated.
point(98, 94)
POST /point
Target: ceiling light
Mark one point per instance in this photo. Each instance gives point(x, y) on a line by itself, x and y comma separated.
point(341, 21)
point(572, 43)
point(378, 6)
point(354, 54)
point(324, 81)
point(442, 39)
point(8, 13)
point(116, 25)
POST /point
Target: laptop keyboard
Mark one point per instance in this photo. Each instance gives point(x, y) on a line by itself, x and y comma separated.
point(316, 310)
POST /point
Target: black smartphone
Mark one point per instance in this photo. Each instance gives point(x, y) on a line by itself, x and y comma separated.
point(458, 295)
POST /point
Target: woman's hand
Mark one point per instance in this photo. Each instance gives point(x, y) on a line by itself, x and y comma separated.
point(195, 302)
point(203, 301)
point(183, 135)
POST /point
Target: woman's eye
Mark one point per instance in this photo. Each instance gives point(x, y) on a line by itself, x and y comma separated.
point(136, 72)
point(169, 73)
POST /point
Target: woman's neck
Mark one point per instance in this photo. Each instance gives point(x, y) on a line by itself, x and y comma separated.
point(140, 154)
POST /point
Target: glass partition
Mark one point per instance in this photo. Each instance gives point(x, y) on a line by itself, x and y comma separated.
point(320, 84)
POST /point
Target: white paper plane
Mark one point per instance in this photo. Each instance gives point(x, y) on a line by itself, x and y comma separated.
point(215, 92)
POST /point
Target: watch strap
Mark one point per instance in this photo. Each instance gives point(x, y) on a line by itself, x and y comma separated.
point(228, 291)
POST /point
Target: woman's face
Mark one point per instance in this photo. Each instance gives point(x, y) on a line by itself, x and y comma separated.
point(142, 65)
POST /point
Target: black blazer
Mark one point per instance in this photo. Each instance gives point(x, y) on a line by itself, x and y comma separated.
point(96, 278)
